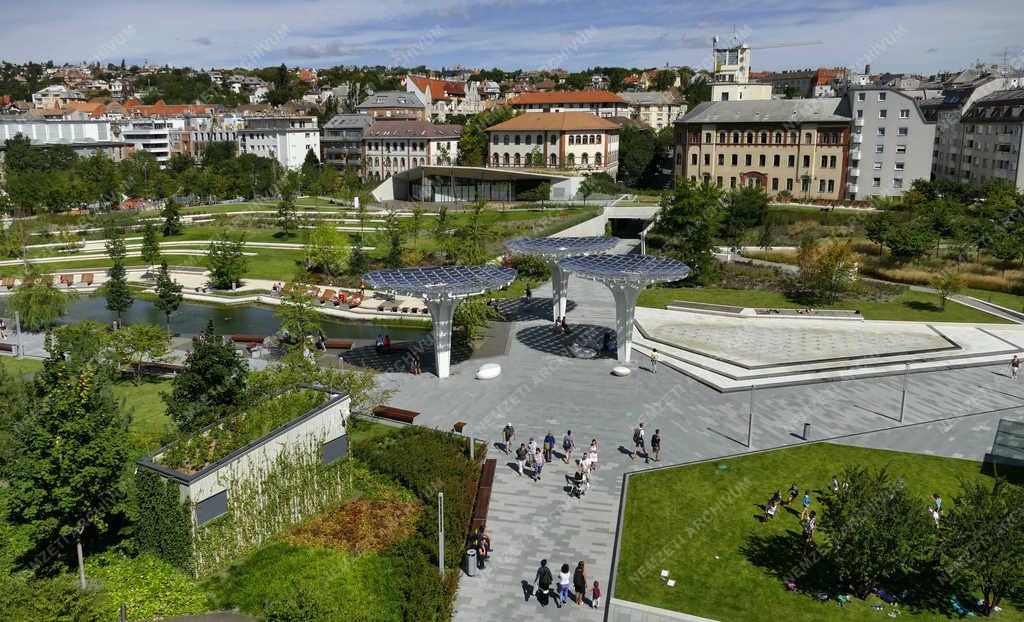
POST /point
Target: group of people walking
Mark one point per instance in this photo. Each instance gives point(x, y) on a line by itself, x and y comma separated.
point(576, 581)
point(640, 444)
point(530, 455)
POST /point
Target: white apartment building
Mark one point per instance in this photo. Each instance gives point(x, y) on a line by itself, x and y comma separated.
point(890, 142)
point(55, 96)
point(85, 137)
point(600, 103)
point(286, 139)
point(576, 141)
point(153, 135)
point(656, 109)
point(391, 147)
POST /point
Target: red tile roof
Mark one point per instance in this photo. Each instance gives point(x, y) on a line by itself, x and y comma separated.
point(568, 97)
point(439, 89)
point(554, 122)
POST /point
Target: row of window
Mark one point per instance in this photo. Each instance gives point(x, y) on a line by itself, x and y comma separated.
point(880, 148)
point(883, 113)
point(573, 139)
point(777, 138)
point(390, 146)
point(570, 159)
point(753, 181)
point(762, 160)
point(900, 131)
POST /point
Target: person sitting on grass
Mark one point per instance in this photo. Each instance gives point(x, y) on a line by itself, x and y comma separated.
point(769, 510)
point(793, 492)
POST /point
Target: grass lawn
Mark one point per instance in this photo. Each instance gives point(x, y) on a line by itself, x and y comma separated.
point(910, 306)
point(1010, 301)
point(20, 367)
point(149, 421)
point(702, 523)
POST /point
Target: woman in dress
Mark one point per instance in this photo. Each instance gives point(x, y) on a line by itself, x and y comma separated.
point(593, 454)
point(579, 582)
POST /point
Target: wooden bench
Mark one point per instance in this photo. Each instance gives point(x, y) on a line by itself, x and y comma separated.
point(459, 425)
point(327, 295)
point(395, 414)
point(336, 344)
point(247, 338)
point(6, 347)
point(483, 497)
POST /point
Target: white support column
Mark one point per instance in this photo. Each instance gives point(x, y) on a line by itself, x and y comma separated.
point(625, 307)
point(441, 313)
point(559, 289)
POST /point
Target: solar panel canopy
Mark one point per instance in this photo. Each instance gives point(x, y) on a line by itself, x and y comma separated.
point(554, 248)
point(441, 281)
point(637, 269)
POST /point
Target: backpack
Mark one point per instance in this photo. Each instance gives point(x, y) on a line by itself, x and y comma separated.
point(636, 435)
point(545, 578)
point(521, 453)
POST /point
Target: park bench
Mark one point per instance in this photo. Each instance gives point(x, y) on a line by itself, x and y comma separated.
point(6, 347)
point(85, 279)
point(483, 496)
point(336, 344)
point(247, 338)
point(327, 295)
point(395, 414)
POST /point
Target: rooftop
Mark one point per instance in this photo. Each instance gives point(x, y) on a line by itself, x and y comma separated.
point(821, 109)
point(554, 121)
point(411, 129)
point(634, 269)
point(652, 98)
point(567, 97)
point(554, 248)
point(348, 120)
point(391, 99)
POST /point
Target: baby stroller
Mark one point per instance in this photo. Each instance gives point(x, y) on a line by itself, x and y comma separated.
point(579, 487)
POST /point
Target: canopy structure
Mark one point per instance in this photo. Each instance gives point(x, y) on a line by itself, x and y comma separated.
point(626, 276)
point(441, 288)
point(551, 250)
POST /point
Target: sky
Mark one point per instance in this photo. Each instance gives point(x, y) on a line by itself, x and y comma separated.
point(892, 35)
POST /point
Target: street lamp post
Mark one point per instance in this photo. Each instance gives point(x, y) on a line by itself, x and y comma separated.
point(440, 531)
point(750, 416)
point(903, 396)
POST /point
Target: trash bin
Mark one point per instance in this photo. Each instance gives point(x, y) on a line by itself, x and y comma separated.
point(807, 431)
point(471, 562)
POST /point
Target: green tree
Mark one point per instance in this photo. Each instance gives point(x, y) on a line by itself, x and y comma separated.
point(116, 291)
point(172, 218)
point(826, 270)
point(982, 540)
point(686, 226)
point(637, 155)
point(55, 599)
point(393, 231)
point(416, 221)
point(37, 301)
point(910, 240)
point(66, 481)
point(140, 343)
point(747, 208)
point(226, 260)
point(947, 283)
point(587, 188)
point(326, 250)
point(472, 317)
point(310, 173)
point(168, 294)
point(875, 529)
point(298, 317)
point(150, 245)
point(211, 383)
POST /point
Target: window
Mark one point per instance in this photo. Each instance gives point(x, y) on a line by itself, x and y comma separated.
point(517, 139)
point(791, 161)
point(736, 137)
point(775, 183)
point(761, 160)
point(861, 96)
point(494, 139)
point(718, 180)
point(821, 185)
point(805, 184)
point(778, 138)
point(707, 159)
point(883, 113)
point(721, 159)
point(901, 148)
point(879, 148)
point(904, 113)
point(789, 185)
point(212, 507)
point(881, 131)
point(776, 160)
point(831, 161)
point(824, 161)
point(735, 160)
point(764, 138)
point(831, 185)
point(749, 159)
point(335, 449)
point(860, 114)
point(721, 137)
point(750, 138)
point(707, 137)
point(807, 161)
point(881, 96)
point(572, 139)
point(693, 159)
point(807, 138)
point(900, 165)
point(540, 139)
point(732, 182)
point(505, 139)
point(554, 139)
point(897, 182)
point(529, 139)
point(878, 165)
point(902, 131)
point(876, 182)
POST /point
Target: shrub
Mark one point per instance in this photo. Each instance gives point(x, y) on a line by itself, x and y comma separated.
point(147, 585)
point(529, 268)
point(55, 600)
point(359, 526)
point(163, 527)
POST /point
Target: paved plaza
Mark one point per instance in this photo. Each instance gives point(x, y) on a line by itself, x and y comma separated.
point(951, 412)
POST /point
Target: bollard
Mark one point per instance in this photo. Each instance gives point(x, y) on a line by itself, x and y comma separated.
point(807, 431)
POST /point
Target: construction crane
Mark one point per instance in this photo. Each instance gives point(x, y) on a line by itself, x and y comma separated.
point(788, 44)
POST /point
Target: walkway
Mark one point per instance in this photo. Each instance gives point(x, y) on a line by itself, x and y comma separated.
point(541, 389)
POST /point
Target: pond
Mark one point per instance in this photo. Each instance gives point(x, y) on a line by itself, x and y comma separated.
point(191, 318)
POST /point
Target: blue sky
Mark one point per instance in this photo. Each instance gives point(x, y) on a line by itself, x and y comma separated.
point(894, 35)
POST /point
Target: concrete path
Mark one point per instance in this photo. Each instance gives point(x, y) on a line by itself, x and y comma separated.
point(542, 389)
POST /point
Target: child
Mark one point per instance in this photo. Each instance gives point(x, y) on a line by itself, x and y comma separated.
point(769, 511)
point(595, 598)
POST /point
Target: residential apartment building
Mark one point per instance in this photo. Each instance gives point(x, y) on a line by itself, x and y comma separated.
point(152, 135)
point(949, 159)
point(56, 96)
point(286, 139)
point(577, 141)
point(731, 80)
point(655, 109)
point(341, 144)
point(394, 105)
point(798, 145)
point(600, 103)
point(891, 142)
point(818, 82)
point(443, 97)
point(993, 147)
point(391, 147)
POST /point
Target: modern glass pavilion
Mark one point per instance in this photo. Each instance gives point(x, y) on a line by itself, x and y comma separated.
point(441, 288)
point(552, 250)
point(625, 276)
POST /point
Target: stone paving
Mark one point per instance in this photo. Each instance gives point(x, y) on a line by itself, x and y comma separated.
point(542, 389)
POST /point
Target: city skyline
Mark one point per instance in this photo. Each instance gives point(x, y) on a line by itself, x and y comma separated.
point(891, 35)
